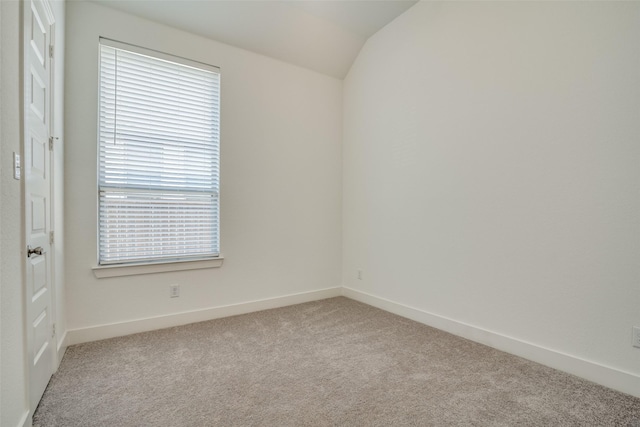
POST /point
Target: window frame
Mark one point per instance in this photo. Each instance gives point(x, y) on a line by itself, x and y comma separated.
point(169, 263)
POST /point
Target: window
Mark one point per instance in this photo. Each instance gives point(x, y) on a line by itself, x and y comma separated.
point(159, 138)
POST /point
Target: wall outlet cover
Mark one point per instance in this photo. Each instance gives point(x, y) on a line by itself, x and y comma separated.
point(174, 291)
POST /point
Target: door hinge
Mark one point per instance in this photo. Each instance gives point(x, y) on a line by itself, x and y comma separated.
point(50, 51)
point(51, 237)
point(53, 331)
point(51, 140)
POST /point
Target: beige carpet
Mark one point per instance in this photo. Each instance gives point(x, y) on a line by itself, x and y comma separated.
point(328, 363)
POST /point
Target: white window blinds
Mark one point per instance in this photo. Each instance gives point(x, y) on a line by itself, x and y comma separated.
point(159, 132)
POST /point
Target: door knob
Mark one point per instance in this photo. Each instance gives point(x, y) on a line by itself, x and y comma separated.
point(34, 251)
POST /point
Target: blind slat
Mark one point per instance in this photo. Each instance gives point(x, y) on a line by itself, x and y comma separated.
point(158, 159)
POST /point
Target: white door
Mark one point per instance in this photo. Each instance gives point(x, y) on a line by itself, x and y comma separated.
point(37, 189)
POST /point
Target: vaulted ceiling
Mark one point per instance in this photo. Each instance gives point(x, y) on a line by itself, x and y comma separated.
point(324, 36)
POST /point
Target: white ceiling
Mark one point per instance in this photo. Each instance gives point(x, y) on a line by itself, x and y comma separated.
point(322, 35)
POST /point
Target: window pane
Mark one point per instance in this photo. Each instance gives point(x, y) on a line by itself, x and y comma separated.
point(159, 159)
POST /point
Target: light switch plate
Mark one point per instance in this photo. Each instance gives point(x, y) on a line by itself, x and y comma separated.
point(16, 166)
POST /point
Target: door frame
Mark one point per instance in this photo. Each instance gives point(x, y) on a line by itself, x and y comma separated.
point(24, 109)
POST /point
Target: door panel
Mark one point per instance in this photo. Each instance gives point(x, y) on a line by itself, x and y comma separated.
point(39, 157)
point(38, 215)
point(38, 96)
point(39, 280)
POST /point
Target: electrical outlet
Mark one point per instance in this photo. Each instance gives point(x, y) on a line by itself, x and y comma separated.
point(359, 274)
point(174, 291)
point(636, 336)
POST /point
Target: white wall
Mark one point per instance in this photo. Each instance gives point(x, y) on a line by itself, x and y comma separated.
point(13, 397)
point(2, 167)
point(280, 178)
point(491, 172)
point(58, 176)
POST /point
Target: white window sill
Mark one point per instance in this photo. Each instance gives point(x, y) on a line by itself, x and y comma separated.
point(104, 271)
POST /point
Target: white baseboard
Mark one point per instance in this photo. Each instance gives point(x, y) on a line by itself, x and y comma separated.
point(63, 343)
point(100, 332)
point(616, 379)
point(25, 421)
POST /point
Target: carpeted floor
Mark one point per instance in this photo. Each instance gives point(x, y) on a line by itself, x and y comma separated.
point(334, 362)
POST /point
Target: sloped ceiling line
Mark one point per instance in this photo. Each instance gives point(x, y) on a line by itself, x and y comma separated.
point(324, 36)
